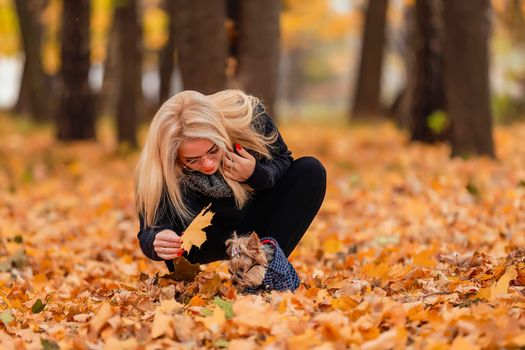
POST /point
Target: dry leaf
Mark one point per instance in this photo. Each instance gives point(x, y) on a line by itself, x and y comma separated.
point(461, 343)
point(161, 324)
point(117, 344)
point(215, 321)
point(184, 270)
point(501, 287)
point(104, 313)
point(194, 234)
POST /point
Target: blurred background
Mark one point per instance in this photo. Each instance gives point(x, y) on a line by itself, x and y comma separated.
point(442, 70)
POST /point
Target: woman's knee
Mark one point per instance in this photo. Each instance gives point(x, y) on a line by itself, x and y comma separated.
point(310, 172)
point(310, 168)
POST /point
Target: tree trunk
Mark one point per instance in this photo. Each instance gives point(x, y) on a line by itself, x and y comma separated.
point(426, 79)
point(466, 68)
point(258, 56)
point(367, 92)
point(167, 55)
point(75, 119)
point(201, 44)
point(107, 99)
point(130, 97)
point(23, 104)
point(33, 91)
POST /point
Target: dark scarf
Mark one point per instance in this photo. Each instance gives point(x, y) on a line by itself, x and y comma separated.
point(209, 185)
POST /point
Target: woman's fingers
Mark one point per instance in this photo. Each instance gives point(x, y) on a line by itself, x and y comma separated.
point(167, 235)
point(169, 254)
point(228, 162)
point(243, 152)
point(169, 251)
point(231, 175)
point(166, 244)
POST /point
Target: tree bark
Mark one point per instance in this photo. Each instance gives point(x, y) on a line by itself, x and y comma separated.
point(466, 66)
point(167, 55)
point(258, 56)
point(76, 118)
point(107, 99)
point(426, 79)
point(33, 91)
point(367, 92)
point(201, 44)
point(130, 97)
point(22, 105)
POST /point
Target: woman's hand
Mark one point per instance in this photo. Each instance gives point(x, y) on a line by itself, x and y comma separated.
point(167, 245)
point(239, 167)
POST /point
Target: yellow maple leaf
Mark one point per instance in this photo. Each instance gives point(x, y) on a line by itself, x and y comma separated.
point(194, 235)
point(501, 287)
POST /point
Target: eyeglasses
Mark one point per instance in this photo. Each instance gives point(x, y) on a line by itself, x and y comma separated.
point(212, 154)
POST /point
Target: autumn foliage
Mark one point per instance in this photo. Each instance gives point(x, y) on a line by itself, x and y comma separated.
point(411, 249)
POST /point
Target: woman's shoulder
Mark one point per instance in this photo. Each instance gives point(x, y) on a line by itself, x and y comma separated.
point(261, 121)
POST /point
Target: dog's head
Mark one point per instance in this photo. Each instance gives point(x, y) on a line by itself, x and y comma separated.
point(248, 262)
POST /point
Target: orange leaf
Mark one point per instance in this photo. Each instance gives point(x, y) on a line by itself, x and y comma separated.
point(501, 287)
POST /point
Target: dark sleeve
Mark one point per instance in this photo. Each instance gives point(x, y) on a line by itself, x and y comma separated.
point(268, 171)
point(167, 221)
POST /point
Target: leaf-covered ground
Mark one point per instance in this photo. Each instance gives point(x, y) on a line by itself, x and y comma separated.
point(410, 250)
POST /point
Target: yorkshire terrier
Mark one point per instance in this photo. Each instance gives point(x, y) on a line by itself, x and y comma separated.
point(257, 264)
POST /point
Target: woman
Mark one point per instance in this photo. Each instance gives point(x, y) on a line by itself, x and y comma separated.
point(221, 149)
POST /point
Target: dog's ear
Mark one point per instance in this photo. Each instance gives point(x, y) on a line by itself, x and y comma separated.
point(254, 242)
point(229, 245)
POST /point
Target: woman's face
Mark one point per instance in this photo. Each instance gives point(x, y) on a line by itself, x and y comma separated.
point(200, 155)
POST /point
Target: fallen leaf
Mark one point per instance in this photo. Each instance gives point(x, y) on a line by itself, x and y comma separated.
point(425, 258)
point(242, 344)
point(169, 306)
point(226, 306)
point(462, 343)
point(252, 313)
point(332, 245)
point(161, 325)
point(117, 344)
point(211, 286)
point(6, 317)
point(38, 306)
point(501, 287)
point(197, 300)
point(184, 270)
point(104, 313)
point(48, 344)
point(214, 320)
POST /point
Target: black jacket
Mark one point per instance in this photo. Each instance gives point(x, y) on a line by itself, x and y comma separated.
point(266, 173)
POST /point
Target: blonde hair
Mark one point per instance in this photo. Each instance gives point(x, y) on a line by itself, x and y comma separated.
point(224, 118)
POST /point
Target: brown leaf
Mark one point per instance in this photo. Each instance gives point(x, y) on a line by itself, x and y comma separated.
point(210, 286)
point(184, 270)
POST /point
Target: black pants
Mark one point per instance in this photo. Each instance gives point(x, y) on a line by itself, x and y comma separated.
point(284, 212)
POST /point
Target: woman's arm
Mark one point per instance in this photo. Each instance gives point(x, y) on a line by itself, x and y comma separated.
point(268, 171)
point(166, 221)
